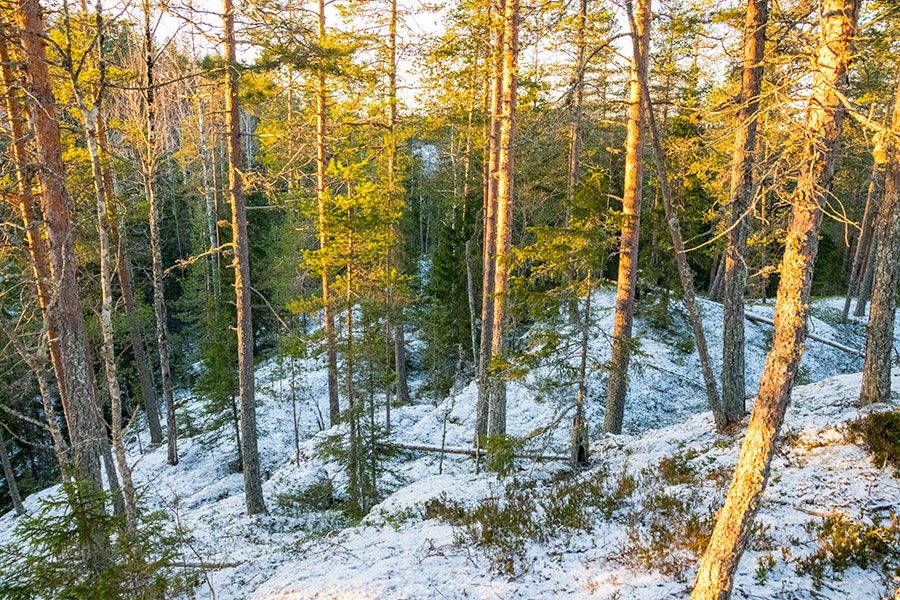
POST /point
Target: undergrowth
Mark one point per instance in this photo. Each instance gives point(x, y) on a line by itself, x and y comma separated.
point(880, 433)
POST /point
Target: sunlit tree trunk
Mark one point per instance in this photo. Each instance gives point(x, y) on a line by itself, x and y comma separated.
point(876, 383)
point(249, 451)
point(824, 122)
point(631, 226)
point(738, 220)
point(80, 401)
point(505, 196)
point(489, 218)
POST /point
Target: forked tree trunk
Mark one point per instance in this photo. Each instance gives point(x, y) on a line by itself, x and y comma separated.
point(159, 298)
point(735, 283)
point(80, 401)
point(824, 121)
point(489, 219)
point(334, 407)
point(631, 226)
point(246, 377)
point(505, 197)
point(876, 383)
point(863, 242)
point(211, 209)
point(10, 478)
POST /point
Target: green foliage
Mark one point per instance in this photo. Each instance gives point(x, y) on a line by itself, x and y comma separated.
point(844, 543)
point(501, 452)
point(880, 432)
point(71, 548)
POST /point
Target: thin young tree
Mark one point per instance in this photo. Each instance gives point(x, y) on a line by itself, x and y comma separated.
point(824, 123)
point(242, 286)
point(10, 478)
point(876, 383)
point(631, 224)
point(159, 298)
point(334, 407)
point(738, 221)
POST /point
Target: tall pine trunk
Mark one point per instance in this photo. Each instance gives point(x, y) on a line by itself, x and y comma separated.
point(79, 396)
point(876, 383)
point(505, 197)
point(631, 226)
point(242, 286)
point(489, 219)
point(824, 122)
point(735, 282)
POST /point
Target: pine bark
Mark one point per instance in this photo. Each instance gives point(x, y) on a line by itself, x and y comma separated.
point(876, 382)
point(489, 219)
point(334, 407)
point(505, 197)
point(80, 401)
point(735, 282)
point(631, 225)
point(824, 123)
point(242, 286)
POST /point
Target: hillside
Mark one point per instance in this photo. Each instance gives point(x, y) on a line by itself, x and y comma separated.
point(631, 526)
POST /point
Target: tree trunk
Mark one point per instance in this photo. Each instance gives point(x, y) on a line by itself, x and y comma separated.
point(91, 117)
point(334, 407)
point(876, 383)
point(505, 197)
point(580, 447)
point(249, 451)
point(631, 226)
point(489, 218)
point(470, 295)
point(211, 209)
point(684, 271)
point(824, 122)
point(863, 242)
point(10, 478)
point(80, 401)
point(126, 283)
point(159, 299)
point(733, 364)
point(865, 288)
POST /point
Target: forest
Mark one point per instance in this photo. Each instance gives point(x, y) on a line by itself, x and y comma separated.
point(458, 299)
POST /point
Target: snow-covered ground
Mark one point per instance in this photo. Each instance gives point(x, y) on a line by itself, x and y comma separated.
point(399, 551)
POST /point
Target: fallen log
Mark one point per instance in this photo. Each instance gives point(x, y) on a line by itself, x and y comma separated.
point(754, 318)
point(474, 452)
